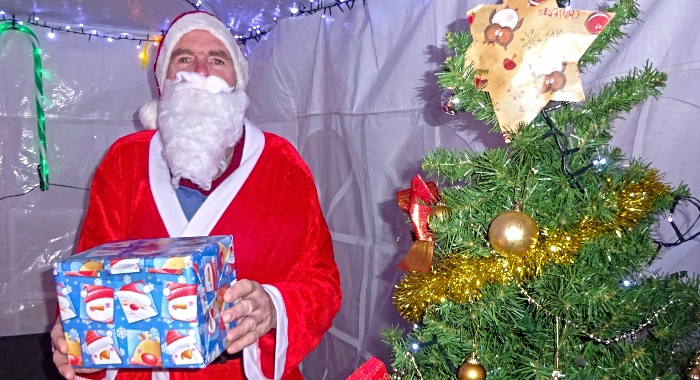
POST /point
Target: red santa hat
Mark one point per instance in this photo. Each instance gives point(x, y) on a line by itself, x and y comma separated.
point(183, 24)
point(97, 340)
point(136, 291)
point(95, 292)
point(176, 340)
point(174, 290)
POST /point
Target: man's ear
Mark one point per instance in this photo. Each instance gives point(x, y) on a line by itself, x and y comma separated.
point(148, 113)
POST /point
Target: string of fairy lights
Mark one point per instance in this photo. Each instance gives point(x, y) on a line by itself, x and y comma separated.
point(253, 33)
point(79, 29)
point(296, 10)
point(599, 162)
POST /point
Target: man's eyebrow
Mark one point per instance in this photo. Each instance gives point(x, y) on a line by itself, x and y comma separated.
point(220, 54)
point(181, 51)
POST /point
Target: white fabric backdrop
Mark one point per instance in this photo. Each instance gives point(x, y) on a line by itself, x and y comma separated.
point(356, 94)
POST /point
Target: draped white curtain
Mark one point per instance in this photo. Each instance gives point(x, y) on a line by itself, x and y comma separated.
point(356, 93)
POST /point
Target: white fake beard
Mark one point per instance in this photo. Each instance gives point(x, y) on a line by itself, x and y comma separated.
point(198, 126)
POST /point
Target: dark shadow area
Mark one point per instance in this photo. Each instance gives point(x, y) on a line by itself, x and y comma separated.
point(28, 358)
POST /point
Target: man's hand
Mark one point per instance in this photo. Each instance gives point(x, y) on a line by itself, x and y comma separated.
point(255, 313)
point(60, 353)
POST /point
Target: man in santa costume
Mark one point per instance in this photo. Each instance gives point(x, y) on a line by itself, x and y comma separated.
point(208, 171)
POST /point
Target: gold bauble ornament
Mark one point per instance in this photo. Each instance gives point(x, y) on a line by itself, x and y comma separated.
point(439, 210)
point(471, 370)
point(513, 233)
point(556, 375)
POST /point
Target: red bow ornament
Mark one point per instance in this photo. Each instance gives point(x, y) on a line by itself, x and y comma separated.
point(373, 369)
point(416, 202)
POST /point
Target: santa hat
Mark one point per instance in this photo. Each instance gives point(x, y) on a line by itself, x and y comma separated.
point(174, 290)
point(97, 340)
point(61, 290)
point(95, 292)
point(177, 340)
point(183, 24)
point(137, 291)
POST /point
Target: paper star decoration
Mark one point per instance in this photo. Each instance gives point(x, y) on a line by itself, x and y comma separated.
point(526, 52)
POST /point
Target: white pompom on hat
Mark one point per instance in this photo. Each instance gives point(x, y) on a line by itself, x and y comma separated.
point(183, 24)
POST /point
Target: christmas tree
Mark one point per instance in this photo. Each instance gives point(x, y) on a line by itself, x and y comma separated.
point(529, 261)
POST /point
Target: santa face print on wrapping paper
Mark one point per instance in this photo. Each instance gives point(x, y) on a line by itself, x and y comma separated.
point(182, 347)
point(98, 303)
point(102, 348)
point(136, 301)
point(122, 266)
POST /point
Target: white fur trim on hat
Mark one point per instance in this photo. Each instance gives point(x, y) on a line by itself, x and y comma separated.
point(207, 22)
point(148, 114)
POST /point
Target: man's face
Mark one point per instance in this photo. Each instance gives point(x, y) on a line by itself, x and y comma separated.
point(200, 52)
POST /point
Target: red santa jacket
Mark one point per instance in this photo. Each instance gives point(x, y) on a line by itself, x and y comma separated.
point(280, 235)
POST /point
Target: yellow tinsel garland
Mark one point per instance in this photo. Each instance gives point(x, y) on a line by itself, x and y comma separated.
point(458, 278)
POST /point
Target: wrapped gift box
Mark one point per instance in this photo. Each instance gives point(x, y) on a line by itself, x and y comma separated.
point(146, 303)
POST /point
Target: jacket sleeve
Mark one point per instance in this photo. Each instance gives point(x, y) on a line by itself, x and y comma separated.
point(104, 220)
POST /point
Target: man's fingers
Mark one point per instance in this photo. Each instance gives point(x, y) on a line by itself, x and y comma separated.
point(245, 341)
point(63, 366)
point(246, 325)
point(58, 340)
point(242, 309)
point(241, 289)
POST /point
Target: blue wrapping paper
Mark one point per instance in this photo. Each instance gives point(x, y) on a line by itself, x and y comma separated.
point(152, 303)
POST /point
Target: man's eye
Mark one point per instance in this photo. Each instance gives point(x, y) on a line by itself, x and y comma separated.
point(218, 62)
point(184, 60)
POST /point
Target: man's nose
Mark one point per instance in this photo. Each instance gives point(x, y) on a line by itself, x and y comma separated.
point(200, 67)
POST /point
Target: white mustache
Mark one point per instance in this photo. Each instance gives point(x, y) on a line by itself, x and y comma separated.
point(211, 84)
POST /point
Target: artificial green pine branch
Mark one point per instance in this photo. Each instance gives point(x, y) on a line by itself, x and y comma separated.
point(626, 12)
